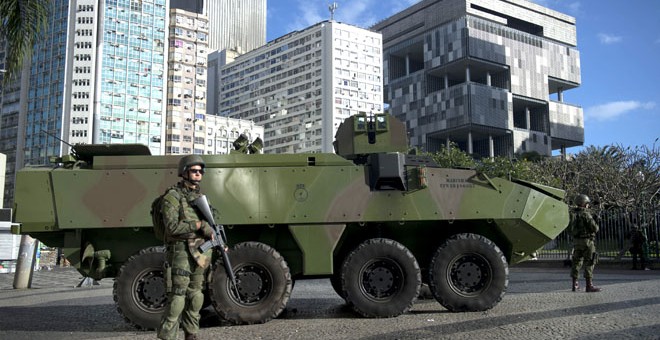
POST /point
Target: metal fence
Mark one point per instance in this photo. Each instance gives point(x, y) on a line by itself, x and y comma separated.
point(613, 238)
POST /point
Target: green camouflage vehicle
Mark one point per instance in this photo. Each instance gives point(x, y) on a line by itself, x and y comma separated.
point(374, 220)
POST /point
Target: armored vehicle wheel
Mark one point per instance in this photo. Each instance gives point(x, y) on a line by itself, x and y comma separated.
point(468, 273)
point(335, 282)
point(139, 289)
point(263, 280)
point(380, 278)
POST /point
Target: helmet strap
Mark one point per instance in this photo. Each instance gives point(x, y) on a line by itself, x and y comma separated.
point(190, 182)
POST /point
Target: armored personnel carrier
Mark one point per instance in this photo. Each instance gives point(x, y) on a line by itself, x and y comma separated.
point(375, 220)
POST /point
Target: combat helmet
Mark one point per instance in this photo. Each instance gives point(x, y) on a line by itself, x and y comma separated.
point(187, 161)
point(582, 200)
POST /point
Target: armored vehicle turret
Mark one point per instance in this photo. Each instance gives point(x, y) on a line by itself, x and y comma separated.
point(375, 220)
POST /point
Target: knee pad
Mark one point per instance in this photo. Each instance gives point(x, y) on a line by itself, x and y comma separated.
point(196, 299)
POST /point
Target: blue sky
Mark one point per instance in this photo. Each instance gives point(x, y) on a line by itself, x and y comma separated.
point(619, 44)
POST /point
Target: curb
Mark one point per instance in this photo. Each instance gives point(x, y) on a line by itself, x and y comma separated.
point(610, 264)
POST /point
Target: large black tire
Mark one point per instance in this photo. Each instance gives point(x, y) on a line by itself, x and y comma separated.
point(139, 288)
point(380, 278)
point(468, 273)
point(335, 282)
point(263, 280)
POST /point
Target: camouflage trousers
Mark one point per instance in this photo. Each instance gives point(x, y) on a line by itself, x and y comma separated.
point(583, 252)
point(185, 298)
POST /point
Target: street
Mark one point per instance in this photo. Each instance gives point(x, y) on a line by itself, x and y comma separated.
point(538, 304)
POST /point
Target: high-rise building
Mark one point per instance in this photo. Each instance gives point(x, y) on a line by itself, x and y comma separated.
point(235, 27)
point(488, 75)
point(236, 24)
point(188, 128)
point(10, 106)
point(301, 86)
point(186, 83)
point(217, 59)
point(96, 77)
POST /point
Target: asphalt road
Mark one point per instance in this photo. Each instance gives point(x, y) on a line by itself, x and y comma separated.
point(538, 304)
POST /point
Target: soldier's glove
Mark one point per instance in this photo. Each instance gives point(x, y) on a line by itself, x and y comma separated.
point(206, 230)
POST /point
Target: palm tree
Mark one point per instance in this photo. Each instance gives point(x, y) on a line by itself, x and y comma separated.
point(21, 23)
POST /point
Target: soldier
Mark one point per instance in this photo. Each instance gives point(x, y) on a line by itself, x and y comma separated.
point(583, 228)
point(638, 244)
point(184, 229)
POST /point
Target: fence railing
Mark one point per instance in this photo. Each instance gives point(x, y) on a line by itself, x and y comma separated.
point(613, 238)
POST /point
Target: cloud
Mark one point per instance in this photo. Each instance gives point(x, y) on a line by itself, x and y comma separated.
point(609, 39)
point(574, 7)
point(358, 13)
point(306, 16)
point(613, 110)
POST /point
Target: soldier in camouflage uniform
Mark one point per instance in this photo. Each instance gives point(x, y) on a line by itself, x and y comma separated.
point(583, 228)
point(184, 229)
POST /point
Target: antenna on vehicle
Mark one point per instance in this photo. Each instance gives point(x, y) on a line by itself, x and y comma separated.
point(332, 8)
point(58, 138)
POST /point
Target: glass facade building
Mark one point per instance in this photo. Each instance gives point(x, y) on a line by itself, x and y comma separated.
point(96, 77)
point(41, 125)
point(132, 71)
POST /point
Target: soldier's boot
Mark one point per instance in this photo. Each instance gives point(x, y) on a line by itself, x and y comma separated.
point(591, 288)
point(576, 284)
point(190, 336)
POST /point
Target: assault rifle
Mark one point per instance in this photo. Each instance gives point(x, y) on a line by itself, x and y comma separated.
point(219, 240)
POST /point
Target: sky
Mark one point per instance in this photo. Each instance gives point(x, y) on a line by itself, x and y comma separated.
point(618, 41)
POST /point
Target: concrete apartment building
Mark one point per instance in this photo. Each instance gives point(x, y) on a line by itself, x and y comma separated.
point(302, 85)
point(488, 75)
point(188, 127)
point(236, 27)
point(186, 82)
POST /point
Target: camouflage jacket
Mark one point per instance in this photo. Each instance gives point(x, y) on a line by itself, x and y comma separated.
point(179, 216)
point(582, 223)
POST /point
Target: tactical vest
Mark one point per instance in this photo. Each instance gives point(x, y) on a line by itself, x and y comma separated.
point(186, 211)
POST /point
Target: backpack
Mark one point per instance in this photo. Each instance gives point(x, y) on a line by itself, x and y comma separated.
point(576, 225)
point(157, 219)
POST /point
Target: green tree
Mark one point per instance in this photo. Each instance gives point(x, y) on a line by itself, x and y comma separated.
point(615, 177)
point(21, 23)
point(453, 157)
point(507, 168)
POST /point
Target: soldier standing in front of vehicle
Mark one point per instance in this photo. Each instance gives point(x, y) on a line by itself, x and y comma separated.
point(583, 228)
point(184, 227)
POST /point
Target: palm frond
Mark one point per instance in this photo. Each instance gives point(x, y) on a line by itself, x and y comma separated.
point(21, 23)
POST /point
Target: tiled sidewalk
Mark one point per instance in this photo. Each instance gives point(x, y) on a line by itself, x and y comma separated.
point(56, 277)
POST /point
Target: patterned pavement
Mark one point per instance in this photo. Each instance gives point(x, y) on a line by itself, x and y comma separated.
point(55, 277)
